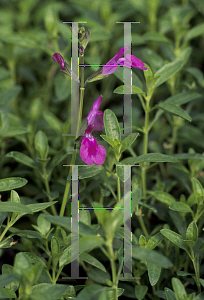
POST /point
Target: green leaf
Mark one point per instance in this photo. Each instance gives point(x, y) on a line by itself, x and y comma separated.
point(183, 98)
point(40, 206)
point(140, 291)
point(92, 261)
point(199, 297)
point(84, 215)
point(87, 171)
point(170, 294)
point(22, 158)
point(98, 275)
point(123, 173)
point(62, 86)
point(150, 157)
point(8, 271)
point(7, 293)
point(179, 289)
point(111, 125)
point(59, 157)
point(175, 110)
point(52, 121)
point(91, 292)
point(154, 241)
point(148, 206)
point(154, 272)
point(181, 207)
point(14, 207)
point(107, 139)
point(189, 156)
point(167, 71)
point(6, 279)
point(41, 145)
point(49, 291)
point(8, 95)
point(194, 32)
point(198, 191)
point(175, 238)
point(192, 232)
point(164, 197)
point(12, 183)
point(126, 89)
point(155, 36)
point(127, 142)
point(65, 222)
point(151, 256)
point(86, 243)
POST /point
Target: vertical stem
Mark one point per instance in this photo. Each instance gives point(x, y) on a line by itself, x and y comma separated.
point(67, 188)
point(145, 146)
point(113, 269)
point(196, 273)
point(118, 188)
point(47, 187)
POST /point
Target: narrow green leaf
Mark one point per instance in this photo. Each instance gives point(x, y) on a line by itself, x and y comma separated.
point(91, 292)
point(175, 110)
point(170, 294)
point(175, 238)
point(98, 276)
point(8, 95)
point(22, 158)
point(52, 291)
point(40, 206)
point(194, 32)
point(150, 157)
point(107, 139)
point(192, 232)
point(164, 197)
point(140, 291)
point(87, 171)
point(154, 272)
point(92, 261)
point(123, 173)
point(167, 71)
point(151, 256)
point(198, 191)
point(181, 207)
point(154, 241)
point(127, 142)
point(14, 207)
point(126, 89)
point(111, 125)
point(12, 183)
point(179, 289)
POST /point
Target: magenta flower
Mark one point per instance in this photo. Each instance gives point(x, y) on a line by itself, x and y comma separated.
point(127, 61)
point(59, 59)
point(90, 151)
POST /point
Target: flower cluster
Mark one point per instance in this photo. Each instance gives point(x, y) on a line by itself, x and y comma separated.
point(90, 151)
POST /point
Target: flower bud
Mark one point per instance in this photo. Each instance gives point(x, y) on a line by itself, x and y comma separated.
point(84, 37)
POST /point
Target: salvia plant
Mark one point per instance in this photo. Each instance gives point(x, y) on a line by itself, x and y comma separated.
point(115, 209)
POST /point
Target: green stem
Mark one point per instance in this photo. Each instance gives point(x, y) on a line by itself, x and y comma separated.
point(118, 189)
point(113, 269)
point(145, 146)
point(47, 187)
point(196, 273)
point(67, 188)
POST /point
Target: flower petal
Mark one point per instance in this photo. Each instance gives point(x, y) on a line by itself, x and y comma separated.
point(91, 152)
point(59, 59)
point(112, 65)
point(98, 122)
point(94, 110)
point(134, 61)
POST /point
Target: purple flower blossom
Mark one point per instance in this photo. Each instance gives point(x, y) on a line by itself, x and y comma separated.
point(90, 151)
point(127, 61)
point(59, 59)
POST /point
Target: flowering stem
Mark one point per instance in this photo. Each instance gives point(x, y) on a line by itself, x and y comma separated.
point(67, 188)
